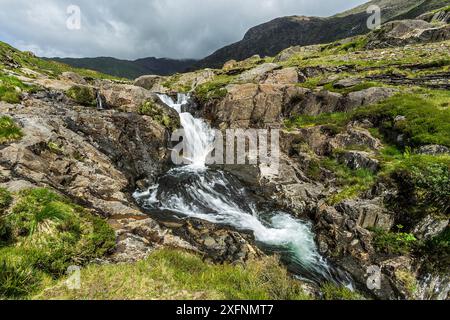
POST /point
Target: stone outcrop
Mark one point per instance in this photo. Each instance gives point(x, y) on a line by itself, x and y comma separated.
point(404, 32)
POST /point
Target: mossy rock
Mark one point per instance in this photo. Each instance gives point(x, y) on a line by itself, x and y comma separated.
point(161, 114)
point(83, 95)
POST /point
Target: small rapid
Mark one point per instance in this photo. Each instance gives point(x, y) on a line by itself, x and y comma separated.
point(197, 191)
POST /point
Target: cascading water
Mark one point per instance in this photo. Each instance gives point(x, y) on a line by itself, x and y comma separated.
point(215, 196)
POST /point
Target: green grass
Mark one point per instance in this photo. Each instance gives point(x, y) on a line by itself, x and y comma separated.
point(351, 182)
point(171, 274)
point(423, 182)
point(41, 236)
point(5, 199)
point(9, 131)
point(426, 111)
point(333, 292)
point(11, 88)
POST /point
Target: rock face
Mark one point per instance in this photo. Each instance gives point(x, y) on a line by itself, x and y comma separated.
point(404, 32)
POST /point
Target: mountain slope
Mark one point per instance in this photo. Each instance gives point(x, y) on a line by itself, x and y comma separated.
point(129, 69)
point(270, 38)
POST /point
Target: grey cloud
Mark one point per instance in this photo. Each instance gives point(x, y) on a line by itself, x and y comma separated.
point(141, 28)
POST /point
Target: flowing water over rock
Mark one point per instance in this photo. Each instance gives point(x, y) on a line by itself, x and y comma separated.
point(200, 192)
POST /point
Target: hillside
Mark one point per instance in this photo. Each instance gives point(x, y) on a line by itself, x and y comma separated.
point(129, 69)
point(270, 38)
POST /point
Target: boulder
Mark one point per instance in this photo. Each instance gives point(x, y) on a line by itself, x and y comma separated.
point(123, 97)
point(433, 150)
point(359, 160)
point(149, 82)
point(73, 77)
point(282, 76)
point(257, 74)
point(367, 214)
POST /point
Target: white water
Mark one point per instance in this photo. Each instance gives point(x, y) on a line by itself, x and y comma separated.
point(210, 195)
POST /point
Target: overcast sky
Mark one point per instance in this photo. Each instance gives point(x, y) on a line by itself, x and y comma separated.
point(134, 29)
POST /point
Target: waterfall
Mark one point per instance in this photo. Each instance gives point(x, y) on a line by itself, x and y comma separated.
point(215, 196)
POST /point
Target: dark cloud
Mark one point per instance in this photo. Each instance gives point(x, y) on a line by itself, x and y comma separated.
point(140, 28)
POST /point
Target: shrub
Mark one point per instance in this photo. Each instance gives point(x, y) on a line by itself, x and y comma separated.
point(394, 242)
point(423, 183)
point(9, 131)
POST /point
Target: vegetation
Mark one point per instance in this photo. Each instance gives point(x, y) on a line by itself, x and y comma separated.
point(83, 95)
point(352, 182)
point(331, 291)
point(9, 131)
point(214, 89)
point(170, 274)
point(11, 88)
point(394, 242)
point(157, 113)
point(41, 236)
point(425, 113)
point(10, 55)
point(423, 183)
point(5, 199)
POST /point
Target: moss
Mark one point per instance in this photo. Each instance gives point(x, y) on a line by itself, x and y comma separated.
point(215, 89)
point(83, 95)
point(334, 292)
point(44, 234)
point(337, 119)
point(157, 113)
point(55, 147)
point(170, 274)
point(9, 131)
